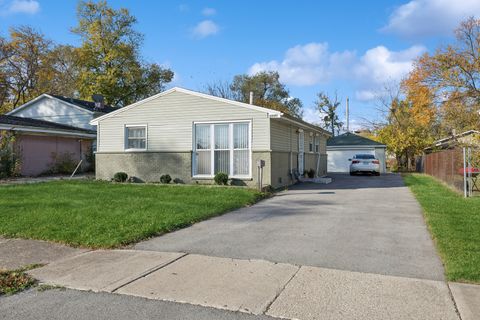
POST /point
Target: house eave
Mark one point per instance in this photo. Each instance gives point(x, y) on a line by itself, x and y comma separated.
point(36, 130)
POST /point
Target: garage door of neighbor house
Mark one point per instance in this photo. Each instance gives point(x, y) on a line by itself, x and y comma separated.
point(338, 159)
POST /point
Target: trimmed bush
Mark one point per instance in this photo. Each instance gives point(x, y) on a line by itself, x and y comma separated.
point(178, 181)
point(165, 179)
point(221, 178)
point(120, 177)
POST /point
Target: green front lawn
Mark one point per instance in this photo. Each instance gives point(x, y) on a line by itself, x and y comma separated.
point(454, 223)
point(103, 214)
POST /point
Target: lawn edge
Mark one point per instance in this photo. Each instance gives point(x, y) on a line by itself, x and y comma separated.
point(427, 222)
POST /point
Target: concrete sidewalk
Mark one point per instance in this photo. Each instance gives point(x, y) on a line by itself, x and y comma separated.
point(253, 286)
point(18, 253)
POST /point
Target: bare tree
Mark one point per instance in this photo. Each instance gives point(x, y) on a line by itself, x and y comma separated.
point(220, 88)
point(327, 106)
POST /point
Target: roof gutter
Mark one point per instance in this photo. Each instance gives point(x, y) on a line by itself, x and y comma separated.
point(357, 146)
point(48, 131)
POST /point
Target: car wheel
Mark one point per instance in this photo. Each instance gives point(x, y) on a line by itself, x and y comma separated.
point(377, 173)
point(351, 173)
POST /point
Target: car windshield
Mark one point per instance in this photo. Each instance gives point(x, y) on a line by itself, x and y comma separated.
point(364, 156)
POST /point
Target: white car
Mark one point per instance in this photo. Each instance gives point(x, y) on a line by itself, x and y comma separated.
point(363, 163)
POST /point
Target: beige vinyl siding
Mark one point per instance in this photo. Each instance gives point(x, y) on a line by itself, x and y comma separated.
point(284, 137)
point(170, 119)
point(281, 134)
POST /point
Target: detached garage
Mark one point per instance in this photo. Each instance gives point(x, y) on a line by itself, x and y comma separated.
point(343, 147)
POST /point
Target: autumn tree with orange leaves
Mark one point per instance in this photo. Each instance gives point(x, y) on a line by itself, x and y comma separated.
point(439, 96)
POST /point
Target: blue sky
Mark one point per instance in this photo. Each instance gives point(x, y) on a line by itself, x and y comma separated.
point(352, 47)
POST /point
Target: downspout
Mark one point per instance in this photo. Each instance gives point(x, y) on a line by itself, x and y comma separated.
point(290, 163)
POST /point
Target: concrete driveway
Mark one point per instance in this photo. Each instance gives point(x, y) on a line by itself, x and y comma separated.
point(361, 223)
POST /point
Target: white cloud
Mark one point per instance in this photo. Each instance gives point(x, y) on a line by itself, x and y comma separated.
point(205, 28)
point(380, 65)
point(21, 6)
point(430, 17)
point(209, 12)
point(365, 95)
point(312, 115)
point(305, 65)
point(313, 63)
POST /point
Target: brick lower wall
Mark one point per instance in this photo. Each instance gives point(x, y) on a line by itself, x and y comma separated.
point(150, 166)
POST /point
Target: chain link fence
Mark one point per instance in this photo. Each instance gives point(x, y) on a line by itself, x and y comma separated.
point(457, 167)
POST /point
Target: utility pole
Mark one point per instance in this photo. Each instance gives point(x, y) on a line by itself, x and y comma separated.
point(347, 116)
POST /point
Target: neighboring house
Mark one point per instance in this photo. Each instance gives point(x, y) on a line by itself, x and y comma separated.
point(192, 136)
point(343, 147)
point(467, 138)
point(63, 110)
point(39, 144)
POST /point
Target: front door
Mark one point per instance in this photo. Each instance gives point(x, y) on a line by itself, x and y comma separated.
point(301, 152)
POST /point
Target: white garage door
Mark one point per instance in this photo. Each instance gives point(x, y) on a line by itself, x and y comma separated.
point(338, 159)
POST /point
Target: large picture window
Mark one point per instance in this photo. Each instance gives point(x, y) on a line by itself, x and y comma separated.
point(222, 147)
point(135, 137)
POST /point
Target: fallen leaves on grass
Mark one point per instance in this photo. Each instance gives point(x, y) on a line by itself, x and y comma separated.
point(12, 281)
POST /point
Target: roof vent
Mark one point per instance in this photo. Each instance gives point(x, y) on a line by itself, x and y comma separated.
point(99, 101)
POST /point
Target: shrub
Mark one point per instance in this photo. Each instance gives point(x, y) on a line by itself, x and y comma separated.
point(120, 177)
point(9, 157)
point(165, 179)
point(311, 173)
point(62, 163)
point(221, 178)
point(177, 181)
point(90, 159)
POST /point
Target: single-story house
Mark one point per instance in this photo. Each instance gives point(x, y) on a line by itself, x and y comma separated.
point(192, 136)
point(69, 111)
point(39, 144)
point(343, 147)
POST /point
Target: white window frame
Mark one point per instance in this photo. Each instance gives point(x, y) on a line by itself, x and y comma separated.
point(311, 144)
point(125, 137)
point(316, 144)
point(212, 149)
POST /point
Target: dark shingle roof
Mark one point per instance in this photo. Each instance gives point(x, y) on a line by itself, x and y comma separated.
point(351, 139)
point(29, 122)
point(87, 105)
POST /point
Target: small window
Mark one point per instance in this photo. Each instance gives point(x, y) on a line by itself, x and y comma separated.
point(136, 138)
point(317, 144)
point(310, 145)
